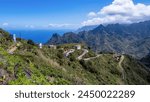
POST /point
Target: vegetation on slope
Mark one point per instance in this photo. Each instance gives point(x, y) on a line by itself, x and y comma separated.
point(30, 65)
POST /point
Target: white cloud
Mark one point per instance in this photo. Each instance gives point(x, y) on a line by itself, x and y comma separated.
point(58, 25)
point(29, 26)
point(5, 24)
point(92, 14)
point(121, 11)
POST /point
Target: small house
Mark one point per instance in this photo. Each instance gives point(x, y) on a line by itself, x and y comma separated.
point(14, 38)
point(117, 57)
point(40, 45)
point(52, 46)
point(78, 47)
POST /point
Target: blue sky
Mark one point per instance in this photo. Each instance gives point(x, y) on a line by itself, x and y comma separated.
point(50, 13)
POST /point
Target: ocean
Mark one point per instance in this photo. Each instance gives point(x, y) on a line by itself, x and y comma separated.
point(38, 36)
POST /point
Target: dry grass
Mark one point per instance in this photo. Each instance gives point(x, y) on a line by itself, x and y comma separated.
point(47, 60)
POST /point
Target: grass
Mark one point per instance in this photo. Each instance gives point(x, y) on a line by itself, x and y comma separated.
point(30, 65)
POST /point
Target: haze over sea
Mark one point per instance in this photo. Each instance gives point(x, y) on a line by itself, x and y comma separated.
point(38, 36)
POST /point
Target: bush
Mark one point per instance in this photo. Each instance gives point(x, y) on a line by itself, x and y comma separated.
point(30, 42)
point(60, 54)
point(89, 66)
point(72, 58)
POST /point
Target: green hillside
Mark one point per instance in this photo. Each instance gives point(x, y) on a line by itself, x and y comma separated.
point(24, 63)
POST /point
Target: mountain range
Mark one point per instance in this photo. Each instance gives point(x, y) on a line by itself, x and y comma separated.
point(25, 63)
point(131, 39)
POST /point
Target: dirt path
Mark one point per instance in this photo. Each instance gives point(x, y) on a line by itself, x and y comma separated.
point(81, 56)
point(69, 52)
point(120, 66)
point(91, 58)
point(87, 59)
point(11, 51)
point(13, 48)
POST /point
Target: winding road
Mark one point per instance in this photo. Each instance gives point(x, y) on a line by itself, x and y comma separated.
point(84, 53)
point(120, 65)
point(69, 52)
point(87, 59)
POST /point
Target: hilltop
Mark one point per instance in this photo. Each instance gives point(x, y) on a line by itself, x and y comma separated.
point(24, 63)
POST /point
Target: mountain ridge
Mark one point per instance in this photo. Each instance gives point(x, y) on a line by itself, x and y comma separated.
point(86, 28)
point(30, 64)
point(111, 38)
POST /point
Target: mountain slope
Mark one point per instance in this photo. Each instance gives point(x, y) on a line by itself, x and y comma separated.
point(146, 60)
point(140, 48)
point(86, 28)
point(30, 65)
point(112, 38)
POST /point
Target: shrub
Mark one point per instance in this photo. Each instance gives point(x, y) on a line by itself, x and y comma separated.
point(60, 54)
point(30, 42)
point(72, 58)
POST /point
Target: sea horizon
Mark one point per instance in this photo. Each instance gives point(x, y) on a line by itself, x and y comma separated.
point(37, 35)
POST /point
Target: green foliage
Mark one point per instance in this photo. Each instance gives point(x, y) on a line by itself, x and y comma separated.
point(29, 65)
point(72, 58)
point(60, 81)
point(136, 73)
point(30, 42)
point(90, 54)
point(60, 54)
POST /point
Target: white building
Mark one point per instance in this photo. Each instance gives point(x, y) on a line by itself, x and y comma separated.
point(78, 47)
point(52, 46)
point(40, 45)
point(14, 38)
